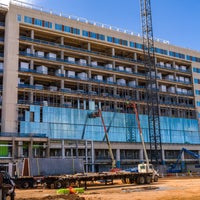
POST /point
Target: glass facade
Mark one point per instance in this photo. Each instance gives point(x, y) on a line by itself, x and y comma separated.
point(37, 22)
point(117, 41)
point(69, 124)
point(93, 35)
point(176, 55)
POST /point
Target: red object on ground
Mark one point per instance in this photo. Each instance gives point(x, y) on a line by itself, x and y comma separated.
point(71, 190)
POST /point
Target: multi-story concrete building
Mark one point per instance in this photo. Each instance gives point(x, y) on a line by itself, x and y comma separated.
point(56, 69)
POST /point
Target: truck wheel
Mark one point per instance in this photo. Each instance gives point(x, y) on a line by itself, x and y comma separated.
point(156, 178)
point(123, 180)
point(25, 185)
point(58, 184)
point(148, 179)
point(12, 196)
point(140, 180)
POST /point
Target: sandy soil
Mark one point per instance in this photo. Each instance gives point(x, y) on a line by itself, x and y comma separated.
point(176, 188)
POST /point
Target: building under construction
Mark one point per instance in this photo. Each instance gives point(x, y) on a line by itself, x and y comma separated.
point(55, 70)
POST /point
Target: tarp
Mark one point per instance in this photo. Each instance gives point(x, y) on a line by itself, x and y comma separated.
point(50, 166)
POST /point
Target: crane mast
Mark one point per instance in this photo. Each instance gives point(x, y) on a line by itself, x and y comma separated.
point(151, 83)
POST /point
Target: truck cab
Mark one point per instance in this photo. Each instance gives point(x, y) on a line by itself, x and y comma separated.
point(144, 168)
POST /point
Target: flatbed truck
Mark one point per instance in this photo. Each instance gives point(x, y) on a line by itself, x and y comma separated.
point(83, 179)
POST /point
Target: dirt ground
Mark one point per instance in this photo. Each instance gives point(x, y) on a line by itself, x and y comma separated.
point(176, 188)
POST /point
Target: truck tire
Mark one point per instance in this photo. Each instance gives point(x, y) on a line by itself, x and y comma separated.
point(12, 196)
point(155, 178)
point(58, 184)
point(123, 180)
point(140, 180)
point(148, 180)
point(25, 184)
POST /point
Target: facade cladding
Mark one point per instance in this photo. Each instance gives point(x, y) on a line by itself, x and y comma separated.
point(55, 70)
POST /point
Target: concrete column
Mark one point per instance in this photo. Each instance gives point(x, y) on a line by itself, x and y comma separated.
point(89, 60)
point(92, 155)
point(31, 64)
point(48, 149)
point(135, 56)
point(11, 50)
point(163, 155)
point(62, 69)
point(62, 54)
point(99, 103)
point(89, 46)
point(14, 154)
point(32, 34)
point(63, 148)
point(62, 40)
point(86, 156)
point(114, 78)
point(62, 84)
point(20, 149)
point(78, 104)
point(118, 158)
point(30, 149)
point(141, 155)
point(113, 51)
point(89, 74)
point(84, 104)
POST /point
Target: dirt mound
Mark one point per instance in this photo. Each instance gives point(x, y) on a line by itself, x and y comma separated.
point(56, 197)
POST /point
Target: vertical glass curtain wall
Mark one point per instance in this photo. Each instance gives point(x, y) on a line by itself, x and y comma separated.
point(70, 123)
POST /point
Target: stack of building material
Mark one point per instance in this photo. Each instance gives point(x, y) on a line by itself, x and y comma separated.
point(42, 69)
point(24, 65)
point(177, 67)
point(53, 88)
point(110, 79)
point(187, 80)
point(82, 76)
point(181, 79)
point(163, 88)
point(94, 63)
point(184, 91)
point(132, 83)
point(28, 50)
point(168, 65)
point(51, 55)
point(70, 59)
point(169, 77)
point(179, 90)
point(39, 53)
point(109, 66)
point(121, 81)
point(59, 72)
point(98, 77)
point(182, 67)
point(38, 87)
point(171, 89)
point(70, 74)
point(128, 69)
point(120, 68)
point(82, 62)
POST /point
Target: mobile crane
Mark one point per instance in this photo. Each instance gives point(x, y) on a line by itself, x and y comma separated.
point(99, 114)
point(175, 167)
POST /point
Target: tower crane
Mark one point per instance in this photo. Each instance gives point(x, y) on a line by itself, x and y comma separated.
point(151, 83)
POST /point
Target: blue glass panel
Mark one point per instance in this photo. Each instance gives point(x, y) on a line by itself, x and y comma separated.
point(28, 20)
point(58, 27)
point(70, 124)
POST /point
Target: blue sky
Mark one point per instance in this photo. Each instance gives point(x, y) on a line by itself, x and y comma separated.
point(177, 21)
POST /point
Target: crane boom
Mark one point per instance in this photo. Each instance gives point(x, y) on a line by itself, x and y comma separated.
point(133, 105)
point(99, 114)
point(151, 83)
